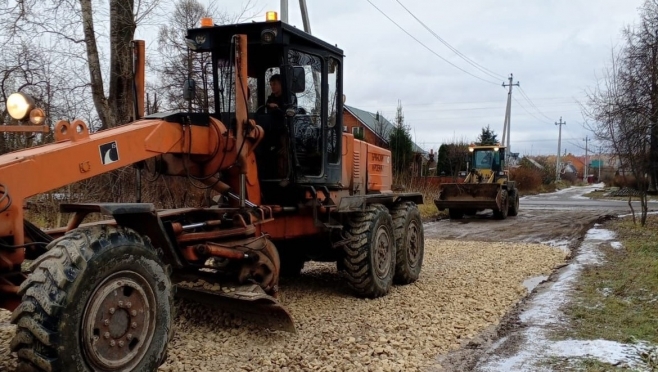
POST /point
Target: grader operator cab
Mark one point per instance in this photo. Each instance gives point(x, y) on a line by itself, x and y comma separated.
point(486, 186)
point(99, 295)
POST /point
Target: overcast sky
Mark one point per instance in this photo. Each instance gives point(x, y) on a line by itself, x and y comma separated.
point(555, 49)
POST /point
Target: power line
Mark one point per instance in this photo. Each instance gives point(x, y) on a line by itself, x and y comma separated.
point(428, 48)
point(525, 96)
point(473, 63)
point(529, 113)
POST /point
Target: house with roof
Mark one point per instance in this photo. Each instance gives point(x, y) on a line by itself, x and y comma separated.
point(375, 129)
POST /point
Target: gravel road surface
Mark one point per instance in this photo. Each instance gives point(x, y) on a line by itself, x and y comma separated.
point(472, 277)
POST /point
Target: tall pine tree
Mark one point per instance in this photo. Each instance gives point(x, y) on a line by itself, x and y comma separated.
point(487, 137)
point(400, 144)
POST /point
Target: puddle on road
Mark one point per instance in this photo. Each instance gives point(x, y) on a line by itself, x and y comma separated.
point(532, 283)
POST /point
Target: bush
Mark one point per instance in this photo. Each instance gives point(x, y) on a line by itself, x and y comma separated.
point(570, 178)
point(526, 179)
point(607, 179)
point(622, 181)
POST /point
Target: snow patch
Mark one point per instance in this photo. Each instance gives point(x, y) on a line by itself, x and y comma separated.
point(616, 245)
point(544, 311)
point(603, 350)
point(599, 234)
point(563, 244)
point(637, 214)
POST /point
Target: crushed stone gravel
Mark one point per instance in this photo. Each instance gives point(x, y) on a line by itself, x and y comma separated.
point(464, 288)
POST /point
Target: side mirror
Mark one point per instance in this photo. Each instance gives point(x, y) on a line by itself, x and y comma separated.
point(189, 89)
point(298, 76)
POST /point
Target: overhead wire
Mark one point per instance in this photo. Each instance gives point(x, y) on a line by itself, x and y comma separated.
point(430, 49)
point(460, 54)
point(529, 113)
point(525, 96)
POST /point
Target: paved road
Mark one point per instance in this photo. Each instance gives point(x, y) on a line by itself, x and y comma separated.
point(560, 217)
point(572, 199)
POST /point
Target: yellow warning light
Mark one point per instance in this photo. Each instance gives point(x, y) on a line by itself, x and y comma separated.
point(271, 16)
point(206, 22)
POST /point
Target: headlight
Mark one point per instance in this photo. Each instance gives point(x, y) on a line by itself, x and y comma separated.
point(19, 105)
point(37, 116)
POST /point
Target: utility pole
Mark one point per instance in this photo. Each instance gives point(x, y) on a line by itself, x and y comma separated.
point(508, 114)
point(284, 11)
point(305, 20)
point(599, 178)
point(304, 11)
point(559, 143)
point(585, 172)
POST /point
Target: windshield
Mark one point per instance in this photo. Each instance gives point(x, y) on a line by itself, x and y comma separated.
point(487, 159)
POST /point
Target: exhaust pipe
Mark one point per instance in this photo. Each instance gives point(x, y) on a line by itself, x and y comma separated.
point(139, 61)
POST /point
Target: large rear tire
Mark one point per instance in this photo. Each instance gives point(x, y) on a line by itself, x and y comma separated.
point(514, 203)
point(100, 299)
point(501, 213)
point(410, 242)
point(370, 258)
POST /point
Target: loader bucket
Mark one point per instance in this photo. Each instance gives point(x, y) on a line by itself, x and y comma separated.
point(469, 196)
point(249, 302)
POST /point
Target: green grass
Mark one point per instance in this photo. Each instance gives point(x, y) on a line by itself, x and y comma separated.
point(580, 364)
point(618, 300)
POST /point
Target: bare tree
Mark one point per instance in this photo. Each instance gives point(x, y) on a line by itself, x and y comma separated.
point(176, 63)
point(72, 28)
point(618, 113)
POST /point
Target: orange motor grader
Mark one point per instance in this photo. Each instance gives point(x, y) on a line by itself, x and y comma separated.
point(292, 187)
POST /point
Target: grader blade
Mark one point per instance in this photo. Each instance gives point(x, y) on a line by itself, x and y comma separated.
point(468, 196)
point(249, 302)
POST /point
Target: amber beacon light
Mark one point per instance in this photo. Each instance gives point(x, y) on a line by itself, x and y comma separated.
point(271, 16)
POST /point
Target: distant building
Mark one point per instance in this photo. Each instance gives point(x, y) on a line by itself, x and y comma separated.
point(375, 129)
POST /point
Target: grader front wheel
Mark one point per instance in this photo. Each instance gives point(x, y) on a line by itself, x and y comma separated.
point(99, 300)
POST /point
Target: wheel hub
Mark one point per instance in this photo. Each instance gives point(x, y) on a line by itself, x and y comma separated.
point(382, 254)
point(413, 253)
point(119, 321)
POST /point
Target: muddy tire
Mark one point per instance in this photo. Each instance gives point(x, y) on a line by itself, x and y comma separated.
point(410, 242)
point(455, 214)
point(514, 203)
point(501, 214)
point(370, 258)
point(95, 287)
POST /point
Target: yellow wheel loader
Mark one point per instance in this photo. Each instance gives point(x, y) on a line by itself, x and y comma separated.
point(487, 186)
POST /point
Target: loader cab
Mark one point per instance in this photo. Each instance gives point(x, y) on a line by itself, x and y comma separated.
point(488, 159)
point(303, 139)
